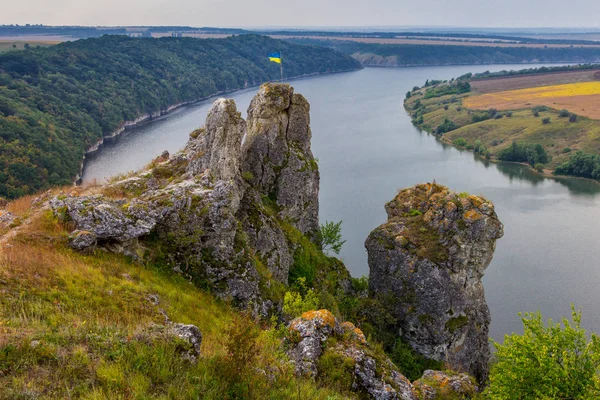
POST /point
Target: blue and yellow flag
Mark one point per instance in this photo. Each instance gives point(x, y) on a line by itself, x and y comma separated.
point(275, 57)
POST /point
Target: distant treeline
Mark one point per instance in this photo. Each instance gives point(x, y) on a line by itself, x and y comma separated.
point(73, 31)
point(530, 71)
point(415, 55)
point(58, 101)
point(83, 32)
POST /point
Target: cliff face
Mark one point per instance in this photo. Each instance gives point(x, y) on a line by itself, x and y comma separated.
point(278, 160)
point(426, 263)
point(215, 206)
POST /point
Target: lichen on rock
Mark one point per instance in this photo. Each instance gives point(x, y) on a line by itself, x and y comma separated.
point(426, 263)
point(372, 374)
point(277, 155)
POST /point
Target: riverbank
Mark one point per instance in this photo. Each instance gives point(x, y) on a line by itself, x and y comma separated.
point(546, 138)
point(148, 118)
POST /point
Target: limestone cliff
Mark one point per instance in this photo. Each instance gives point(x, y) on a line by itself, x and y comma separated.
point(426, 263)
point(277, 157)
point(213, 211)
point(235, 212)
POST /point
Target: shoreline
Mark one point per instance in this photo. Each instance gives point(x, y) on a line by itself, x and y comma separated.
point(546, 173)
point(148, 118)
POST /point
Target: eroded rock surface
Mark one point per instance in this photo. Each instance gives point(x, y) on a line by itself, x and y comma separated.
point(277, 155)
point(426, 263)
point(310, 334)
point(210, 215)
point(440, 385)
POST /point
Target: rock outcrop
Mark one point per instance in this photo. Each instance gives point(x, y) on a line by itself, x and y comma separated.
point(435, 385)
point(277, 155)
point(426, 263)
point(372, 374)
point(215, 207)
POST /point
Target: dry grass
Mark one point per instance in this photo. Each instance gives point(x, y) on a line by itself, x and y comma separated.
point(533, 80)
point(80, 326)
point(580, 98)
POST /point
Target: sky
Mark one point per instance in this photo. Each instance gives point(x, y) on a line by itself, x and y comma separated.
point(305, 13)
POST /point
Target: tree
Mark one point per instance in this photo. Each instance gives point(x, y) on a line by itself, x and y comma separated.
point(330, 236)
point(546, 362)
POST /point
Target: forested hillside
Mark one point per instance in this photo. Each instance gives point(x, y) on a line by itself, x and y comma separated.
point(396, 55)
point(57, 102)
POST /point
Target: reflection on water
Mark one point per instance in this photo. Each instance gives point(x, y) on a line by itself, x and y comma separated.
point(577, 187)
point(368, 149)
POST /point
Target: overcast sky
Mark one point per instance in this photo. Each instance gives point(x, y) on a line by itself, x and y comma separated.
point(253, 13)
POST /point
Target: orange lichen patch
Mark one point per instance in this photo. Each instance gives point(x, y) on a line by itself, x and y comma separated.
point(476, 201)
point(356, 333)
point(325, 317)
point(472, 215)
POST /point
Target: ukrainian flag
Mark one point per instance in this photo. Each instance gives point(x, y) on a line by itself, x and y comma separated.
point(275, 57)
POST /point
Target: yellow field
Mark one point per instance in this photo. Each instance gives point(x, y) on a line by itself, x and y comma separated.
point(581, 98)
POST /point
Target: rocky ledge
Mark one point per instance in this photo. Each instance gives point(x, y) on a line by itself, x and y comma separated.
point(426, 263)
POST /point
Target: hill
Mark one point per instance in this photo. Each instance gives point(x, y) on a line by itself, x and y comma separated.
point(57, 102)
point(545, 118)
point(457, 53)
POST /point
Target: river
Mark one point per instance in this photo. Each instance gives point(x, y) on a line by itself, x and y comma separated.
point(368, 149)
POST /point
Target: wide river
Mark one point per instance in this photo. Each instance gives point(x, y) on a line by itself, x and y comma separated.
point(368, 149)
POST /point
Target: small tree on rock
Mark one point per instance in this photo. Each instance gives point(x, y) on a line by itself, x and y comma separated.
point(330, 236)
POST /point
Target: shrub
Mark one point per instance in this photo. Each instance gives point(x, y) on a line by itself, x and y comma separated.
point(524, 152)
point(581, 164)
point(408, 94)
point(480, 117)
point(236, 368)
point(446, 107)
point(445, 126)
point(546, 362)
point(330, 236)
point(498, 116)
point(563, 113)
point(536, 114)
point(573, 118)
point(546, 120)
point(566, 150)
point(461, 142)
point(295, 303)
point(509, 114)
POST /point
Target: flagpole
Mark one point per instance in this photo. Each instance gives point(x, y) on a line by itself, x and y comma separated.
point(281, 67)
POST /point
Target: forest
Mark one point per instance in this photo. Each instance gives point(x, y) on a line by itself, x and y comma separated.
point(415, 55)
point(56, 102)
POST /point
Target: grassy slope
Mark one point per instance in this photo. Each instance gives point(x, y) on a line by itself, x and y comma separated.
point(523, 126)
point(80, 326)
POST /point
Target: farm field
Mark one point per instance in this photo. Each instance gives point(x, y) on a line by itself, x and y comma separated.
point(6, 45)
point(582, 98)
point(404, 40)
point(524, 109)
point(481, 86)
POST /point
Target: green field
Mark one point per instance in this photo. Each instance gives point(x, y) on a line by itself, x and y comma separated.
point(492, 131)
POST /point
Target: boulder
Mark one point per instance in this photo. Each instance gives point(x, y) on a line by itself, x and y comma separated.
point(309, 335)
point(442, 385)
point(426, 263)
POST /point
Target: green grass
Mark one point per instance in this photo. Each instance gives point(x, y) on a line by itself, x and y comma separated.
point(522, 126)
point(81, 326)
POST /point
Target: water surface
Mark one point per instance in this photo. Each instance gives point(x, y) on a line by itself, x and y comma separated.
point(368, 149)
